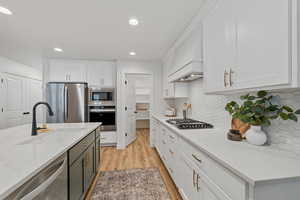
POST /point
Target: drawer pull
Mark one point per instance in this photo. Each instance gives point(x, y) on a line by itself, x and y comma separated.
point(163, 142)
point(194, 183)
point(171, 151)
point(198, 186)
point(171, 170)
point(196, 158)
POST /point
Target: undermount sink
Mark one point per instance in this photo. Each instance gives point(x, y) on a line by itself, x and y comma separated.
point(42, 136)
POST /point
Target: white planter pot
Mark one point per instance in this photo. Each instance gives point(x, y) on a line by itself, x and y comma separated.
point(256, 136)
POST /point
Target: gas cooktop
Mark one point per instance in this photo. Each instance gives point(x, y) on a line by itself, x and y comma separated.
point(189, 124)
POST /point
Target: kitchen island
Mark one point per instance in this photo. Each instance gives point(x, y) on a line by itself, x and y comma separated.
point(23, 156)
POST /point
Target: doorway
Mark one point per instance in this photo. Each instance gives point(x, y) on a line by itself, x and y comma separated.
point(137, 97)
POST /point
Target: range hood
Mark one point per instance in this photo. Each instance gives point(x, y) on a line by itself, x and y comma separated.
point(191, 71)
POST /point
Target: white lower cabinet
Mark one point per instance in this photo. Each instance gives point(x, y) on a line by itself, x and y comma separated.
point(108, 137)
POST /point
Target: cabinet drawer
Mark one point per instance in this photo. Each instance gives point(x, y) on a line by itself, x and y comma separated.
point(231, 184)
point(80, 147)
point(108, 137)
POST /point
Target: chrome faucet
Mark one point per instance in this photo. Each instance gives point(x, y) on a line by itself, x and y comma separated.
point(34, 126)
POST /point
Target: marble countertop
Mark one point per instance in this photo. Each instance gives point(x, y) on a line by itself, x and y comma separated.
point(255, 164)
point(22, 155)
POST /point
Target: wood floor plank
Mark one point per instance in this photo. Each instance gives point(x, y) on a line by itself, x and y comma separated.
point(139, 154)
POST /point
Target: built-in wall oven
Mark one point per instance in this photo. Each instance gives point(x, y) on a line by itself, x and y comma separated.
point(105, 114)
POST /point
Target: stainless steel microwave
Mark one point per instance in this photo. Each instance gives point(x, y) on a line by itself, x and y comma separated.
point(102, 96)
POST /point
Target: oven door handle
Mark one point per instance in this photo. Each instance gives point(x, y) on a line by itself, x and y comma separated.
point(103, 111)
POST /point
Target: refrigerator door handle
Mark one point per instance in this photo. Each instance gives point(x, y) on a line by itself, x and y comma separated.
point(66, 110)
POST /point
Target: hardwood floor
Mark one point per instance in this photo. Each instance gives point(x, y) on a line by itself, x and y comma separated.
point(137, 155)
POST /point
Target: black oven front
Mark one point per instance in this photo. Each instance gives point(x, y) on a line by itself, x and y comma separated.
point(104, 114)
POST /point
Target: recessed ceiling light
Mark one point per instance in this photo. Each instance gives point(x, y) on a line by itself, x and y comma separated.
point(133, 21)
point(58, 49)
point(132, 53)
point(5, 11)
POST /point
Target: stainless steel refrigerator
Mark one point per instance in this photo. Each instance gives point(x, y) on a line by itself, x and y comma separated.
point(69, 102)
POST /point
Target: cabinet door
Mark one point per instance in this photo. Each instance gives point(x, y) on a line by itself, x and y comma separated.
point(219, 45)
point(89, 166)
point(67, 71)
point(97, 156)
point(101, 74)
point(13, 100)
point(76, 179)
point(207, 194)
point(2, 101)
point(263, 32)
point(188, 179)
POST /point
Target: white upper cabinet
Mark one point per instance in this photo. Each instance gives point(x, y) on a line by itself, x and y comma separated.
point(101, 74)
point(250, 44)
point(95, 73)
point(67, 71)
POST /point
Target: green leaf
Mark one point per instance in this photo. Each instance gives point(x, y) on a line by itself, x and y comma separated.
point(284, 116)
point(262, 93)
point(248, 103)
point(251, 98)
point(293, 117)
point(297, 112)
point(244, 97)
point(272, 108)
point(288, 109)
point(257, 109)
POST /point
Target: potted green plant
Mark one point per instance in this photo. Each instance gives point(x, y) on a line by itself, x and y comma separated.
point(257, 111)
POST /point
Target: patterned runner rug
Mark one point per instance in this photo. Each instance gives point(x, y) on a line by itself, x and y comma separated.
point(133, 184)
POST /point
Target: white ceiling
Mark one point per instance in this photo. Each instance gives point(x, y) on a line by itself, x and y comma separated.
point(92, 29)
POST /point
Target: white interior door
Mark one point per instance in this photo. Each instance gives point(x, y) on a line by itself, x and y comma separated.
point(14, 101)
point(130, 110)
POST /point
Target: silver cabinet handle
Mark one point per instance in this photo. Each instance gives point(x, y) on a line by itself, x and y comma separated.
point(230, 77)
point(163, 142)
point(171, 152)
point(196, 158)
point(43, 186)
point(194, 183)
point(198, 186)
point(225, 78)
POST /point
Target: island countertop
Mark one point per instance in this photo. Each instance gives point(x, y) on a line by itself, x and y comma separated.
point(22, 156)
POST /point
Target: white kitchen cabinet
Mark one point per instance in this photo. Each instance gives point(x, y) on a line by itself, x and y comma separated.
point(101, 74)
point(249, 45)
point(67, 71)
point(2, 95)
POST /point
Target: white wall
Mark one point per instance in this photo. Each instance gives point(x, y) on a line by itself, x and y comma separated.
point(283, 135)
point(138, 67)
point(16, 68)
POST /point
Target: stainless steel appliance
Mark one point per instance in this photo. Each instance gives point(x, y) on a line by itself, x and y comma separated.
point(104, 114)
point(189, 124)
point(69, 102)
point(50, 183)
point(101, 96)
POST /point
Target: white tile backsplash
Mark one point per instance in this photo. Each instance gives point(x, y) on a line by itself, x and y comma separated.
point(283, 135)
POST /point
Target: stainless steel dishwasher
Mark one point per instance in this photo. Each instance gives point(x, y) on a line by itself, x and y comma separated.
point(50, 184)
